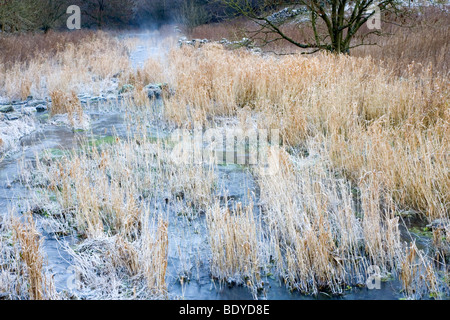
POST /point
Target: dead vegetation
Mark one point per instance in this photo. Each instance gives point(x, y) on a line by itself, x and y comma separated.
point(235, 245)
point(110, 196)
point(362, 141)
point(369, 119)
point(22, 270)
point(80, 62)
point(371, 131)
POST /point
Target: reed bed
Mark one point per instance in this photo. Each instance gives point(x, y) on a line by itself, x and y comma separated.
point(23, 273)
point(359, 146)
point(235, 244)
point(356, 105)
point(112, 195)
point(83, 63)
point(375, 133)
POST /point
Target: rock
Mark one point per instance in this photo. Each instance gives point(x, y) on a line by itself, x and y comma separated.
point(97, 99)
point(19, 103)
point(41, 108)
point(155, 91)
point(194, 42)
point(117, 75)
point(282, 16)
point(13, 116)
point(126, 88)
point(439, 224)
point(35, 103)
point(244, 43)
point(7, 109)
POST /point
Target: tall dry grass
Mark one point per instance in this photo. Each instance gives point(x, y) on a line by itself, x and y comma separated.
point(235, 245)
point(64, 103)
point(321, 236)
point(375, 133)
point(22, 270)
point(29, 46)
point(415, 42)
point(406, 39)
point(376, 144)
point(370, 120)
point(80, 62)
point(110, 195)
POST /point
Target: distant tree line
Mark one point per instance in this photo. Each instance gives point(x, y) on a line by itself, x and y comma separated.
point(27, 15)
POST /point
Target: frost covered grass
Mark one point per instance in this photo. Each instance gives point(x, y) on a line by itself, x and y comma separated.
point(374, 133)
point(22, 270)
point(360, 146)
point(80, 62)
point(113, 196)
point(369, 119)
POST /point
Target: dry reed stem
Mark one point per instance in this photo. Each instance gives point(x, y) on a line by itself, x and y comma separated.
point(40, 286)
point(369, 119)
point(235, 248)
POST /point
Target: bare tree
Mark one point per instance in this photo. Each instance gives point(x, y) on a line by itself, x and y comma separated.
point(108, 12)
point(154, 11)
point(192, 13)
point(17, 15)
point(334, 23)
point(28, 15)
point(50, 13)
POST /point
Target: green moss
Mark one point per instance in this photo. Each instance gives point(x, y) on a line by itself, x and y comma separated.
point(387, 277)
point(126, 88)
point(44, 117)
point(55, 153)
point(423, 232)
point(103, 140)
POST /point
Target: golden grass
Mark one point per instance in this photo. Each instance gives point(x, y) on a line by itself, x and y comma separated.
point(316, 237)
point(151, 72)
point(232, 30)
point(100, 192)
point(423, 41)
point(235, 249)
point(26, 47)
point(405, 43)
point(155, 256)
point(369, 119)
point(376, 144)
point(417, 274)
point(30, 254)
point(22, 272)
point(68, 64)
point(63, 103)
point(384, 134)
